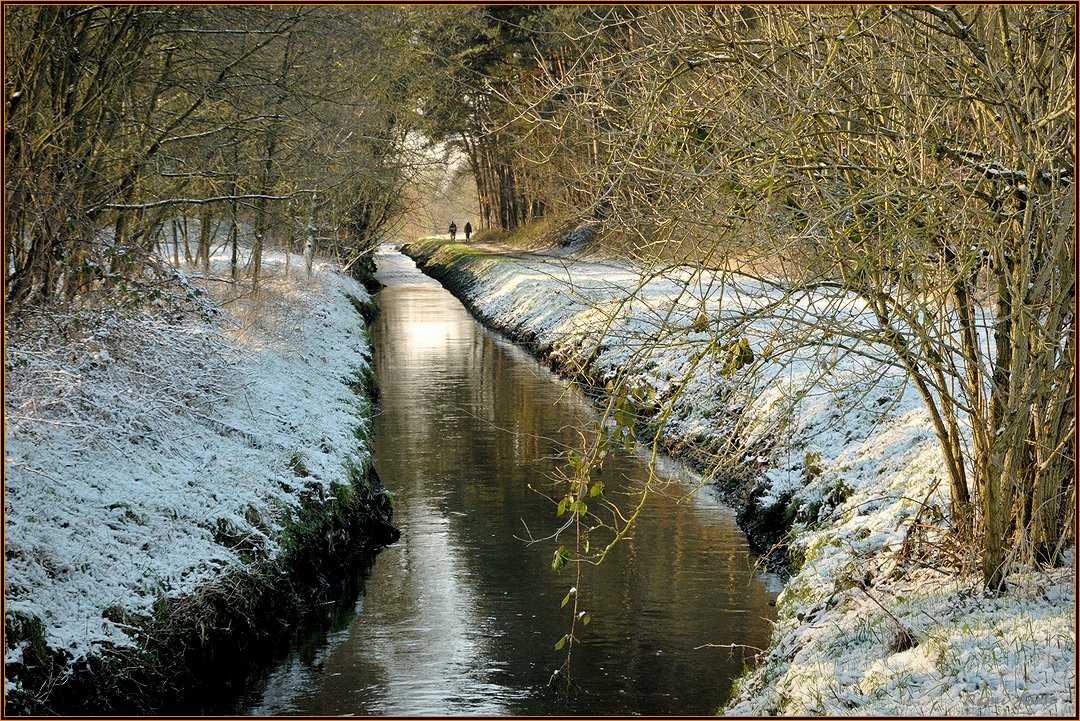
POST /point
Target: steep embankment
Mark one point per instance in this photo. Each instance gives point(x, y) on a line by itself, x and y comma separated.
point(874, 618)
point(182, 486)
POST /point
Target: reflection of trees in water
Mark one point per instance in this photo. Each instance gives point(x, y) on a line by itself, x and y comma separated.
point(463, 614)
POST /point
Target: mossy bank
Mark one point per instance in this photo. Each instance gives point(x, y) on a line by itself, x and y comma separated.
point(197, 653)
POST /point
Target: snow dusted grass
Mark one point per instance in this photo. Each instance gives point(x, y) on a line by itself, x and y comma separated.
point(148, 456)
point(875, 621)
point(867, 626)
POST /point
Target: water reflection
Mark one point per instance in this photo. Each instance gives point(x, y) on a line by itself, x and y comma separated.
point(459, 617)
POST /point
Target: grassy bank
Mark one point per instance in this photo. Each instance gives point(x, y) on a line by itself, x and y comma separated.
point(186, 482)
point(881, 615)
point(569, 325)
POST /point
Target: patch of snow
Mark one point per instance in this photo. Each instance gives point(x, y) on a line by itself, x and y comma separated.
point(146, 457)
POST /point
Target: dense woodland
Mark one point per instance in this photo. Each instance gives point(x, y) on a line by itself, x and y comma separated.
point(918, 159)
point(127, 125)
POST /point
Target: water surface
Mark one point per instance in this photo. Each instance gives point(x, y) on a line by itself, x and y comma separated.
point(460, 617)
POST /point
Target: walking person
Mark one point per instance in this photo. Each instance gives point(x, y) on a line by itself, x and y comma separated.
point(468, 230)
point(453, 231)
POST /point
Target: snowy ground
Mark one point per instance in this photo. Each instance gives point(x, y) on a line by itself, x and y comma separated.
point(146, 456)
point(870, 624)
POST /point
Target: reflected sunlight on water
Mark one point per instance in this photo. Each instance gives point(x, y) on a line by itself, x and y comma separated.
point(460, 617)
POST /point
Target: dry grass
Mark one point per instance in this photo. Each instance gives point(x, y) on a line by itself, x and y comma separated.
point(537, 235)
point(269, 316)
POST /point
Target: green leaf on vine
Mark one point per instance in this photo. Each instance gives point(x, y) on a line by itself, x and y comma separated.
point(577, 461)
point(561, 557)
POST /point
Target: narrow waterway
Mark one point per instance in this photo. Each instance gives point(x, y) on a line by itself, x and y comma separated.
point(460, 616)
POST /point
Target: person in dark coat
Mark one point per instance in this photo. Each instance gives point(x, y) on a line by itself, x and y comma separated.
point(453, 230)
point(468, 230)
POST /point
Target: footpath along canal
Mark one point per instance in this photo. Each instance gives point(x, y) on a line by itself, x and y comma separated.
point(461, 616)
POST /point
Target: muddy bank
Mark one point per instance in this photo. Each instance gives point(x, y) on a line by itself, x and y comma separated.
point(461, 269)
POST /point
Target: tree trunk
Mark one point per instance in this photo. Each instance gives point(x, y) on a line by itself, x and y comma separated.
point(175, 242)
point(234, 241)
point(203, 251)
point(309, 244)
point(187, 237)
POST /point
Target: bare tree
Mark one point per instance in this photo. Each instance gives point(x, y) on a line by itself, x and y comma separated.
point(120, 120)
point(914, 161)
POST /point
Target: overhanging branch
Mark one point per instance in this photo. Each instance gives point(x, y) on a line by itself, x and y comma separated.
point(193, 201)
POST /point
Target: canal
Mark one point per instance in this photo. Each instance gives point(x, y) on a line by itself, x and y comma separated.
point(461, 615)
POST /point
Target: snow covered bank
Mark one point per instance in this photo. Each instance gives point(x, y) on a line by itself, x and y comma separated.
point(843, 452)
point(166, 474)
